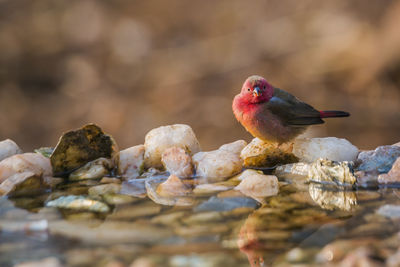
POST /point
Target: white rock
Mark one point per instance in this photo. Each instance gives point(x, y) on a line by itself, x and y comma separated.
point(332, 148)
point(257, 185)
point(28, 162)
point(130, 162)
point(95, 169)
point(234, 147)
point(176, 161)
point(219, 164)
point(8, 148)
point(161, 138)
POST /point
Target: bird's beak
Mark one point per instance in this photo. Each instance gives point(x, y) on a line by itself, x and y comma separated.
point(256, 91)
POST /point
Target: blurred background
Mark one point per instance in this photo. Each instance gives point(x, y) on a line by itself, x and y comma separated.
point(131, 66)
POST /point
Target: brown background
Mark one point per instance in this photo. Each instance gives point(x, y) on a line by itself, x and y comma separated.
point(130, 66)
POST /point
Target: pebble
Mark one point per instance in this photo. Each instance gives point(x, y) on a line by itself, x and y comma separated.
point(130, 162)
point(327, 171)
point(226, 204)
point(8, 148)
point(80, 203)
point(257, 185)
point(173, 186)
point(95, 169)
point(177, 162)
point(393, 176)
point(381, 159)
point(390, 211)
point(164, 137)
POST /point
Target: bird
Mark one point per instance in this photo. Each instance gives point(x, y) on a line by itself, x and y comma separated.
point(274, 115)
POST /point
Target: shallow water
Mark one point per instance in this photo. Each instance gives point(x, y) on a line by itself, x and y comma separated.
point(228, 230)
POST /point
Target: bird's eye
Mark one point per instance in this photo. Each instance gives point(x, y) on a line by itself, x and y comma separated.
point(264, 87)
point(248, 89)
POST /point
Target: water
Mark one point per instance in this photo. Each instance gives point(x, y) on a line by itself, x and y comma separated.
point(303, 224)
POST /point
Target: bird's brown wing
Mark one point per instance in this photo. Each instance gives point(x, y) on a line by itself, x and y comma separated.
point(291, 110)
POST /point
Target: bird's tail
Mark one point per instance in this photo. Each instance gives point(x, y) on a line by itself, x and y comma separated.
point(333, 114)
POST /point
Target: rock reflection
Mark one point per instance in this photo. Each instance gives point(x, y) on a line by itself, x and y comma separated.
point(331, 199)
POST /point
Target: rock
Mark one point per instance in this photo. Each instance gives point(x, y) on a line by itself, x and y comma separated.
point(257, 185)
point(27, 162)
point(161, 138)
point(118, 199)
point(110, 180)
point(173, 186)
point(103, 189)
point(135, 211)
point(295, 172)
point(22, 184)
point(130, 162)
point(177, 162)
point(45, 151)
point(76, 148)
point(79, 203)
point(381, 159)
point(393, 176)
point(234, 147)
point(331, 200)
point(327, 171)
point(205, 189)
point(390, 211)
point(226, 204)
point(169, 218)
point(95, 169)
point(8, 148)
point(261, 154)
point(219, 164)
point(332, 148)
point(134, 187)
point(151, 189)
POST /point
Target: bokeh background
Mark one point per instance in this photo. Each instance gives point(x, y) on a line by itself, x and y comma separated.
point(131, 66)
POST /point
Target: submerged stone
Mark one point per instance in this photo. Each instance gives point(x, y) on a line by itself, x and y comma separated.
point(332, 148)
point(164, 137)
point(393, 176)
point(333, 199)
point(8, 148)
point(262, 154)
point(134, 187)
point(130, 162)
point(257, 185)
point(76, 148)
point(219, 164)
point(173, 186)
point(226, 204)
point(79, 203)
point(177, 162)
point(95, 169)
point(327, 171)
point(295, 172)
point(381, 159)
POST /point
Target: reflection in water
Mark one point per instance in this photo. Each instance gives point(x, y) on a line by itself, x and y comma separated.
point(331, 199)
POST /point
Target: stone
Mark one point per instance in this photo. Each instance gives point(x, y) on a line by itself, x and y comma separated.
point(177, 162)
point(263, 154)
point(234, 147)
point(103, 189)
point(152, 184)
point(130, 162)
point(27, 162)
point(331, 200)
point(118, 199)
point(8, 148)
point(332, 148)
point(205, 189)
point(393, 176)
point(257, 185)
point(173, 186)
point(22, 184)
point(45, 151)
point(327, 171)
point(78, 203)
point(46, 262)
point(134, 187)
point(164, 137)
point(76, 148)
point(226, 204)
point(95, 169)
point(219, 164)
point(381, 159)
point(390, 211)
point(294, 172)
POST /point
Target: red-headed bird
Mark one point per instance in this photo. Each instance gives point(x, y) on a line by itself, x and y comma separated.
point(274, 115)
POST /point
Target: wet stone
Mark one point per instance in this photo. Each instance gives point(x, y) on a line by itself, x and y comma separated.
point(393, 176)
point(164, 137)
point(226, 204)
point(130, 162)
point(295, 172)
point(169, 218)
point(390, 211)
point(76, 148)
point(173, 186)
point(381, 159)
point(79, 203)
point(45, 151)
point(118, 199)
point(127, 212)
point(327, 171)
point(104, 189)
point(331, 148)
point(134, 187)
point(177, 162)
point(257, 185)
point(92, 170)
point(206, 189)
point(332, 199)
point(22, 184)
point(261, 154)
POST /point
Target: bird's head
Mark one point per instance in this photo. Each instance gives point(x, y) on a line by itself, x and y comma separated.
point(256, 90)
